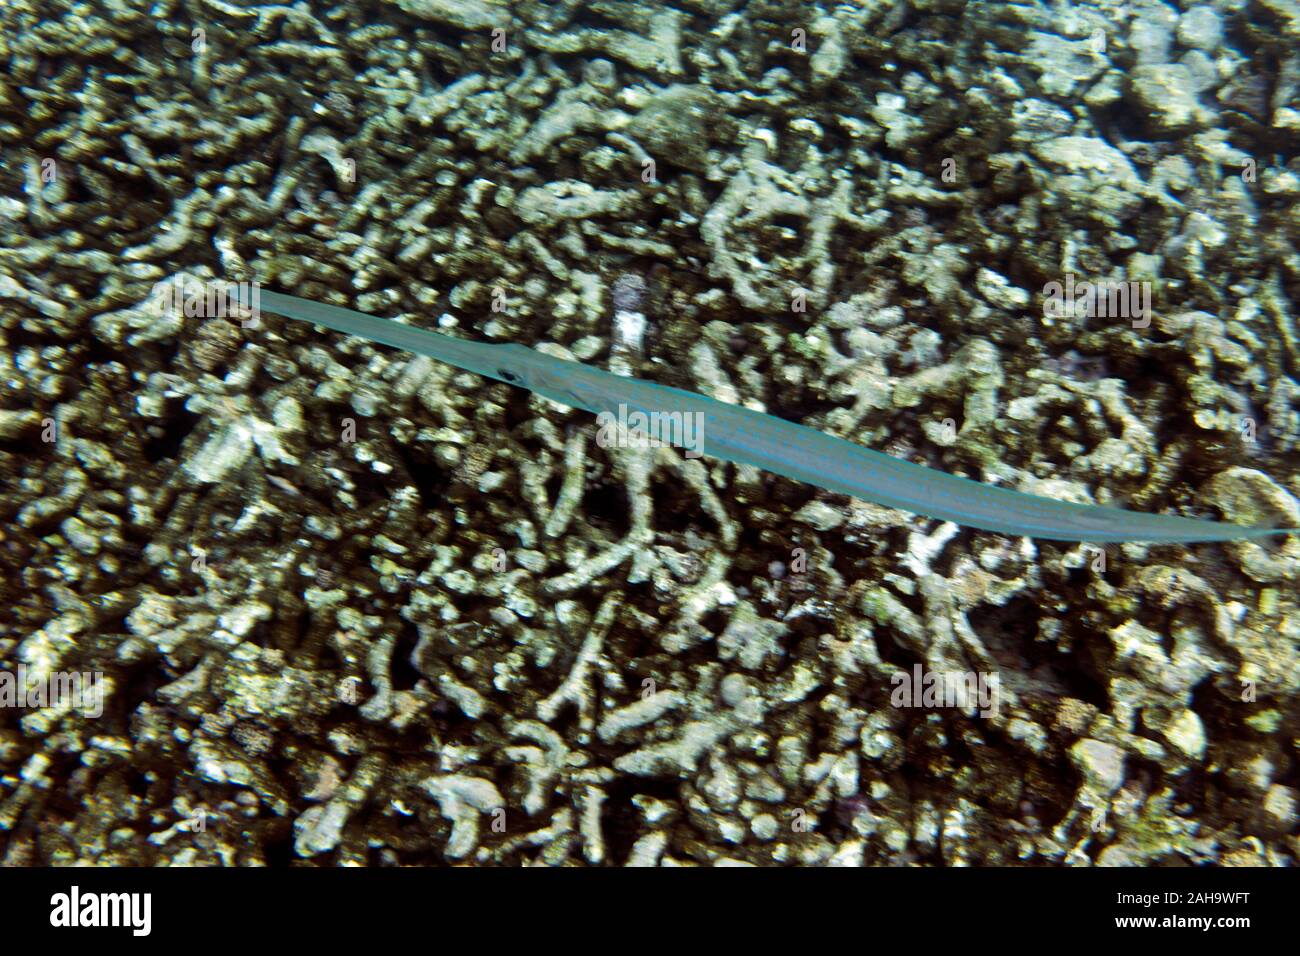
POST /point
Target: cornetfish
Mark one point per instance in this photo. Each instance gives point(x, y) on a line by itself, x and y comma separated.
point(742, 435)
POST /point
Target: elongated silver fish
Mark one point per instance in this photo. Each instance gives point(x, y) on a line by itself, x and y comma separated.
point(742, 435)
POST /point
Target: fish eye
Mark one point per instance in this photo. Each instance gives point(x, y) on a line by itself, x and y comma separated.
point(509, 376)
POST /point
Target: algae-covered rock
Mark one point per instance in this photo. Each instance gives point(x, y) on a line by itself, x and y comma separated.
point(677, 124)
point(464, 14)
